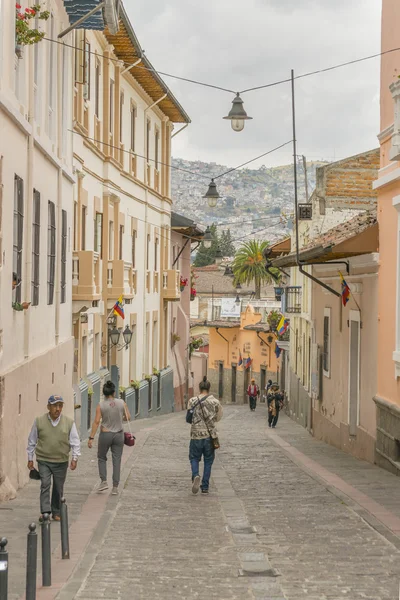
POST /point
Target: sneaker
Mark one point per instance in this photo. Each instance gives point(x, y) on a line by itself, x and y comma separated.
point(204, 491)
point(196, 484)
point(273, 426)
point(103, 485)
point(114, 491)
point(269, 425)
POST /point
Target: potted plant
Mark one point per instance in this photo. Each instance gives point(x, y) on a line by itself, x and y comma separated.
point(175, 338)
point(195, 345)
point(192, 293)
point(273, 319)
point(24, 34)
point(148, 377)
point(122, 390)
point(156, 372)
point(183, 283)
point(135, 384)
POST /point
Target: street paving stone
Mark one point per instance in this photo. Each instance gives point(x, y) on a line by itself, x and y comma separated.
point(269, 530)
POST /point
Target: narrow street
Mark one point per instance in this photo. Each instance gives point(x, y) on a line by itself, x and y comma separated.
point(287, 518)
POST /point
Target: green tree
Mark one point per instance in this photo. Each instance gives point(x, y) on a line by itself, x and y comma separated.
point(206, 256)
point(249, 265)
point(226, 244)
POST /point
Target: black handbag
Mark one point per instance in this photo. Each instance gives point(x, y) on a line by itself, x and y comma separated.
point(34, 474)
point(190, 412)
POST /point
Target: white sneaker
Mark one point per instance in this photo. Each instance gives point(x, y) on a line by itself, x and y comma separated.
point(196, 484)
point(103, 485)
point(114, 491)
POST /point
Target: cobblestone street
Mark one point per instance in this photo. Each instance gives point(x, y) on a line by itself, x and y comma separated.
point(287, 518)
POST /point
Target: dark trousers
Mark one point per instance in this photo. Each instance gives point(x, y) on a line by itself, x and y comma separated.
point(253, 402)
point(197, 449)
point(57, 471)
point(115, 441)
point(273, 420)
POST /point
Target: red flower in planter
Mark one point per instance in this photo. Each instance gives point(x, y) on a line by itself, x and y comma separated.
point(18, 6)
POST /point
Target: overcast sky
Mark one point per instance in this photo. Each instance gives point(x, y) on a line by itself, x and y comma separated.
point(239, 44)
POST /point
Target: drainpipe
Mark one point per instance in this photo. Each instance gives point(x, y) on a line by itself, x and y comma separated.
point(179, 131)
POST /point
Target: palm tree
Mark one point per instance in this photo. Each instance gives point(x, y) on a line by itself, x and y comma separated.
point(249, 265)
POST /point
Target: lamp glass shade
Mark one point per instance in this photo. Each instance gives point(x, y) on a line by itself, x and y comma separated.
point(237, 301)
point(212, 202)
point(238, 287)
point(127, 335)
point(114, 336)
point(237, 124)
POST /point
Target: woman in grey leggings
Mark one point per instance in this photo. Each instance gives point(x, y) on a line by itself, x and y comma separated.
point(110, 412)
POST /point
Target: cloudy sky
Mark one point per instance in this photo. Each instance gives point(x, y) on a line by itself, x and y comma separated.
point(240, 44)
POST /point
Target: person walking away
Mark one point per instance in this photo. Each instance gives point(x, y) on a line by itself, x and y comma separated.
point(275, 404)
point(52, 437)
point(111, 412)
point(205, 411)
point(253, 391)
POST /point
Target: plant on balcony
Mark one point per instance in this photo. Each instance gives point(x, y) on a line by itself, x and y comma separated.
point(183, 283)
point(90, 391)
point(135, 384)
point(195, 345)
point(273, 319)
point(148, 377)
point(175, 338)
point(156, 372)
point(24, 34)
point(193, 293)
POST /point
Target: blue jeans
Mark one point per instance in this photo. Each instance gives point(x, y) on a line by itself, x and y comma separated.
point(197, 449)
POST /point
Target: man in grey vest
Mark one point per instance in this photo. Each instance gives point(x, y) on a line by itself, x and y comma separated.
point(52, 437)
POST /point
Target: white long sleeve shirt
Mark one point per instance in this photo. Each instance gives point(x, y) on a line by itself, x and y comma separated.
point(74, 440)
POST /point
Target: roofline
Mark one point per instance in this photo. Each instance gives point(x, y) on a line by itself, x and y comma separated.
point(125, 19)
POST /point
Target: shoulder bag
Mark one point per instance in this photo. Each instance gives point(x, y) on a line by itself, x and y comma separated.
point(214, 440)
point(190, 411)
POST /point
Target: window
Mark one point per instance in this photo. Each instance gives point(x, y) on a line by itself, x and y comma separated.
point(121, 114)
point(35, 248)
point(63, 256)
point(64, 98)
point(156, 141)
point(36, 75)
point(133, 127)
point(327, 342)
point(148, 253)
point(1, 210)
point(97, 89)
point(110, 240)
point(83, 228)
point(52, 79)
point(75, 245)
point(156, 254)
point(86, 71)
point(148, 141)
point(121, 241)
point(134, 234)
point(98, 234)
point(111, 106)
point(18, 232)
point(51, 251)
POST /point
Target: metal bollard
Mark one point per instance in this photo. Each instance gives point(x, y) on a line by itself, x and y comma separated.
point(3, 569)
point(31, 563)
point(46, 551)
point(64, 530)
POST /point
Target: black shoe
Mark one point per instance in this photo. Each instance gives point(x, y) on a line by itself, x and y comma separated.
point(269, 425)
point(204, 491)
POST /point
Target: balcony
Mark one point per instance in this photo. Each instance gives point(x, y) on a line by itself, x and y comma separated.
point(291, 300)
point(86, 275)
point(121, 279)
point(171, 285)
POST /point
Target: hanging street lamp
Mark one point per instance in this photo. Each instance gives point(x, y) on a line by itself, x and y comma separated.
point(218, 256)
point(127, 335)
point(237, 115)
point(238, 288)
point(207, 238)
point(114, 336)
point(237, 301)
point(212, 194)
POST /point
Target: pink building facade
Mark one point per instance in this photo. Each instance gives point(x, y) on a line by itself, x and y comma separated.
point(387, 398)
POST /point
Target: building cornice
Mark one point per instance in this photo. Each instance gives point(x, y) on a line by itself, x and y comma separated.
point(385, 134)
point(388, 179)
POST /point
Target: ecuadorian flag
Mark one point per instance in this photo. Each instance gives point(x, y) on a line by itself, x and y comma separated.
point(283, 325)
point(345, 290)
point(119, 308)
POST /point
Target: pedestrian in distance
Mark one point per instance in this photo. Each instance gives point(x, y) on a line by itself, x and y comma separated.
point(203, 412)
point(269, 383)
point(52, 437)
point(111, 412)
point(275, 404)
point(253, 391)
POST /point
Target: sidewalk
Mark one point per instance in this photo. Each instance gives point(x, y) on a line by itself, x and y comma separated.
point(288, 518)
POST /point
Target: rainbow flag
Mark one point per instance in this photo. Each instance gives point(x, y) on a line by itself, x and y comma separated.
point(283, 325)
point(345, 290)
point(119, 308)
point(240, 361)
